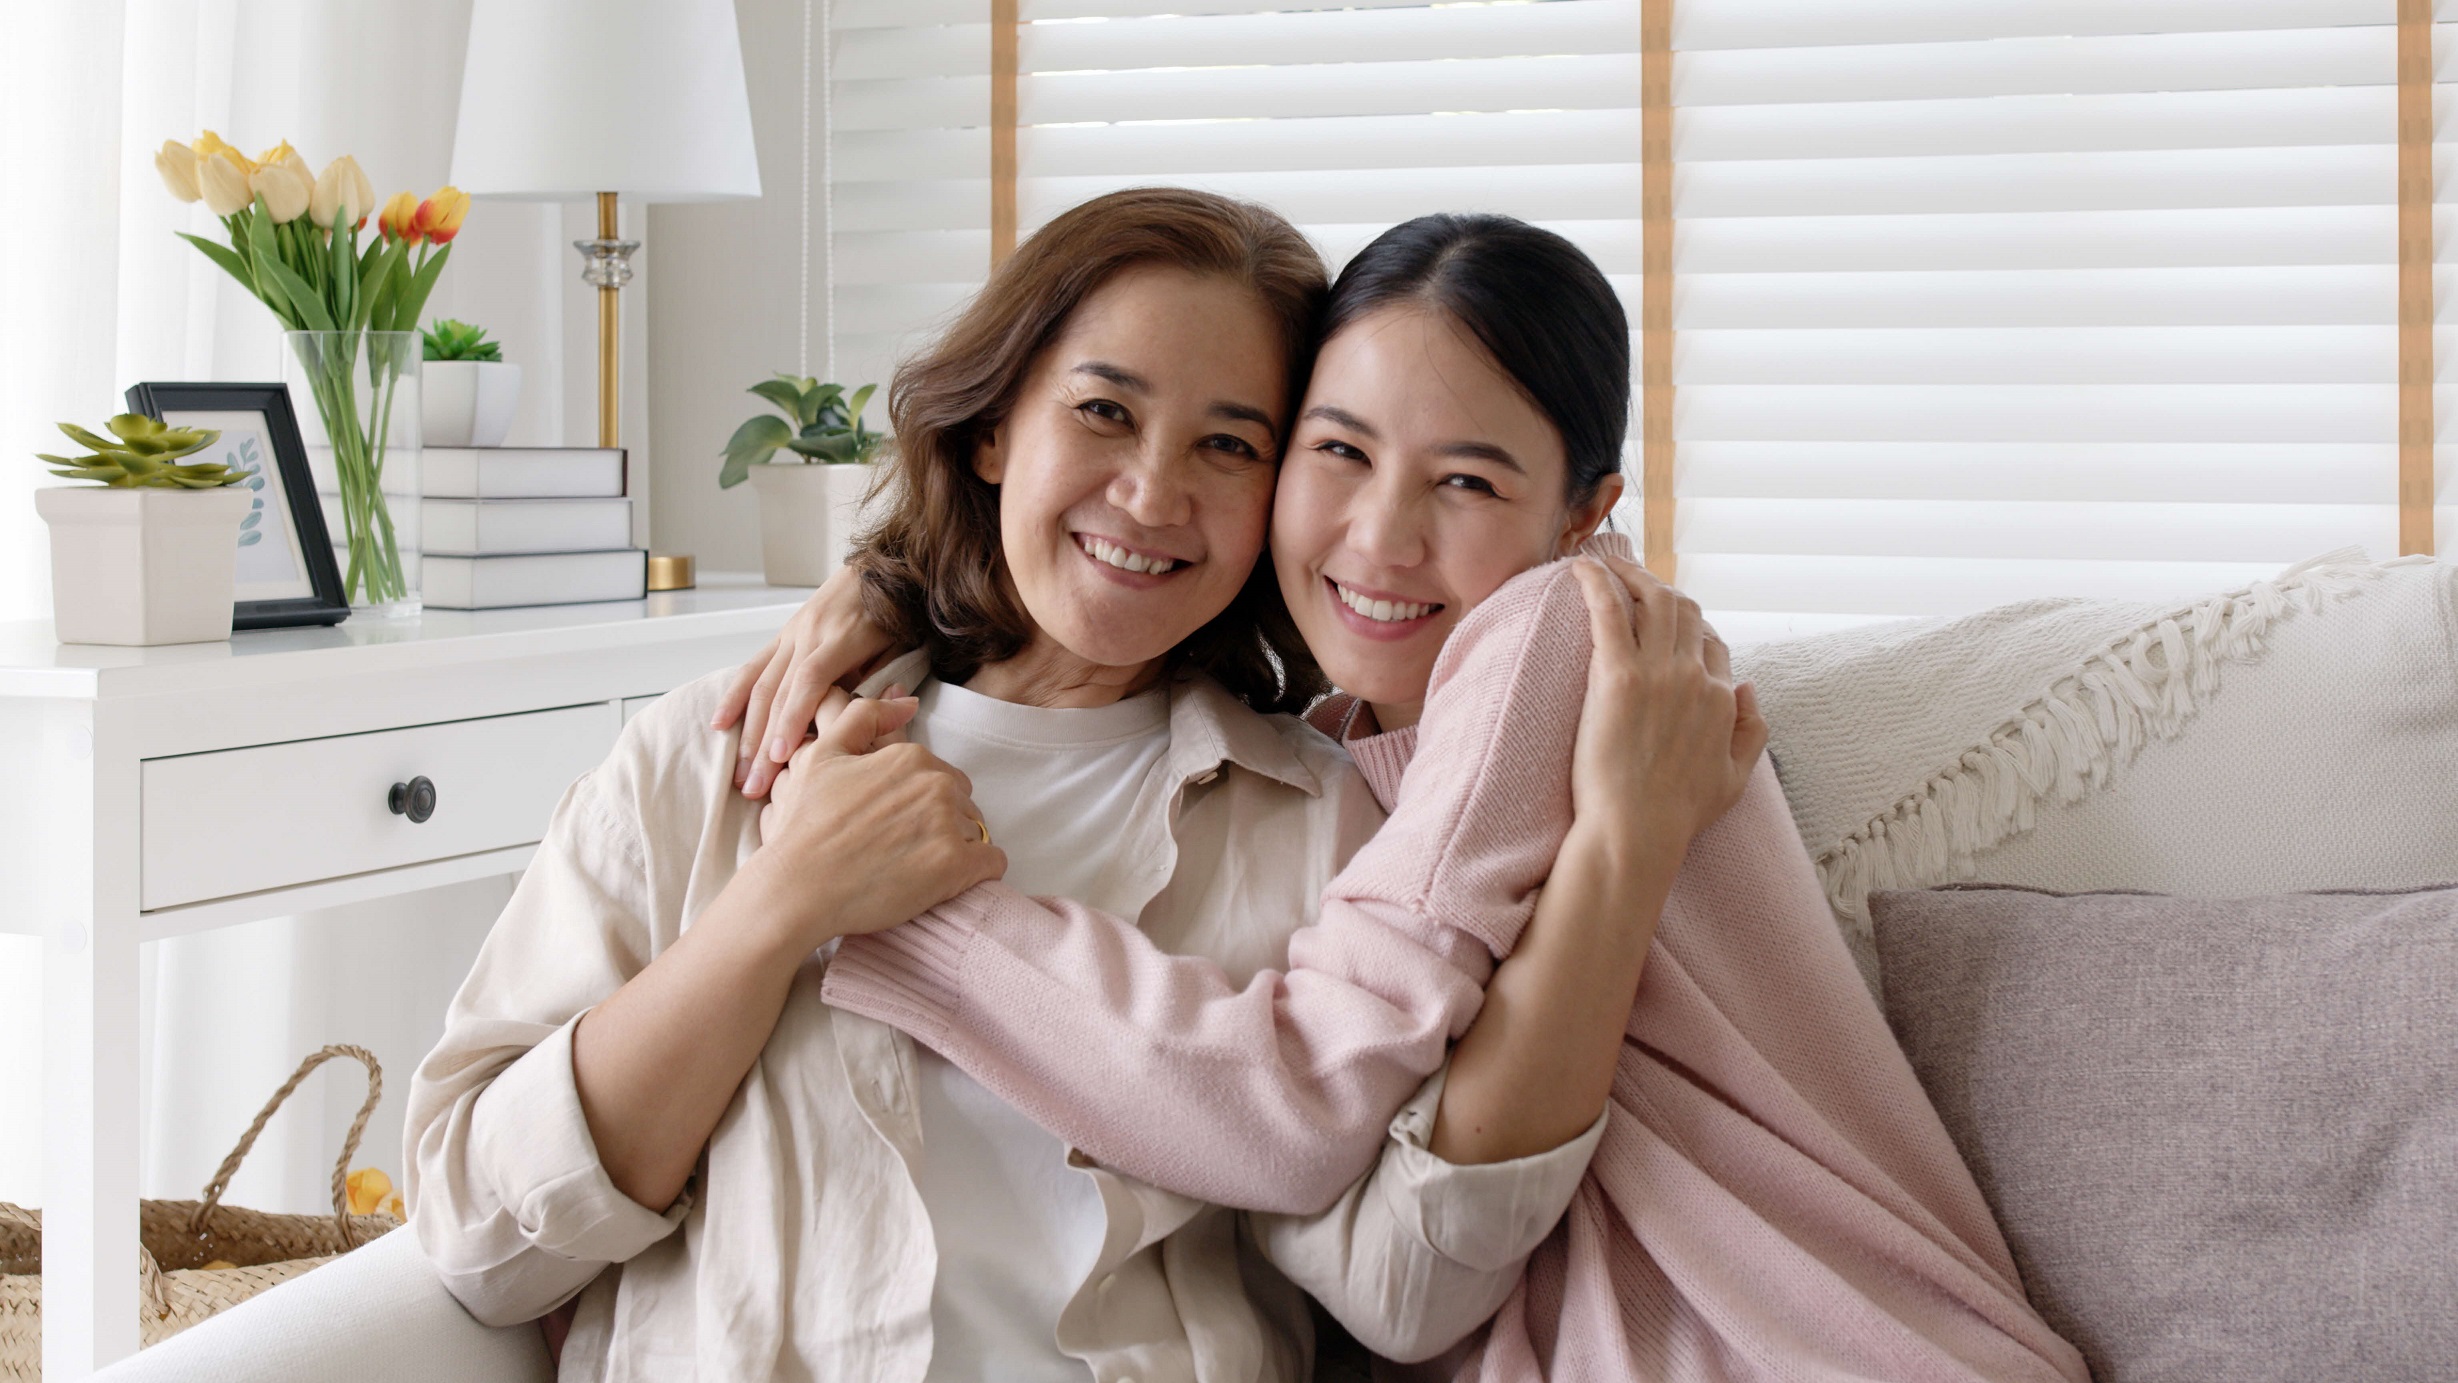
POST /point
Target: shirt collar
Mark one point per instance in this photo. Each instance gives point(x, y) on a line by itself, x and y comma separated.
point(1207, 727)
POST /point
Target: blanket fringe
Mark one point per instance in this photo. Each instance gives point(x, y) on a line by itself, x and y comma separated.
point(2072, 739)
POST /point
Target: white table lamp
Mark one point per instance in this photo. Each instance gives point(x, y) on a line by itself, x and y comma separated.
point(563, 100)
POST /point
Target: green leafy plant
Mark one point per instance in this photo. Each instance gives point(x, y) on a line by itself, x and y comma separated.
point(821, 425)
point(143, 453)
point(451, 340)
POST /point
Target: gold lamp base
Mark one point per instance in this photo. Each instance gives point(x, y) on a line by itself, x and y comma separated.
point(670, 571)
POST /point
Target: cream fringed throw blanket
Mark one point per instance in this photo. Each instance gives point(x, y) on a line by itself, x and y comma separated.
point(1774, 1197)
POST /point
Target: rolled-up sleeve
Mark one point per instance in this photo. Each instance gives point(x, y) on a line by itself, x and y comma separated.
point(1420, 1251)
point(506, 1191)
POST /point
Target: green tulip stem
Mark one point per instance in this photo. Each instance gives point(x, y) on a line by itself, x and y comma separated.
point(374, 575)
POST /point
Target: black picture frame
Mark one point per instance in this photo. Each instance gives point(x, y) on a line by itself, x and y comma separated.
point(323, 602)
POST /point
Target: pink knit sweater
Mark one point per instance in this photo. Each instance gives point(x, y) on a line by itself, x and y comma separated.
point(1774, 1197)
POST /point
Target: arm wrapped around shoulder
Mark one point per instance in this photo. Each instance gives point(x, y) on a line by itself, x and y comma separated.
point(1485, 803)
point(1274, 1095)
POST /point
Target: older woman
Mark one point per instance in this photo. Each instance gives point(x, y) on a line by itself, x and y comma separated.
point(1087, 462)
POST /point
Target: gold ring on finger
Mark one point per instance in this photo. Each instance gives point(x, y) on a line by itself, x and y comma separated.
point(985, 830)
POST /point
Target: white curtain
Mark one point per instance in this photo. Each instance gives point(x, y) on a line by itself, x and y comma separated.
point(97, 293)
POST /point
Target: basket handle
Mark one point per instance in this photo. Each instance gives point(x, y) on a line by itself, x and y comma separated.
point(349, 1142)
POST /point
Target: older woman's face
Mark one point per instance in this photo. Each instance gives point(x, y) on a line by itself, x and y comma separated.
point(1135, 471)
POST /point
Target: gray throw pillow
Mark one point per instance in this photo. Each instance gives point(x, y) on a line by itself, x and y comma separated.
point(2221, 1135)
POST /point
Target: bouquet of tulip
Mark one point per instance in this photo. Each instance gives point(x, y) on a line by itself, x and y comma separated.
point(295, 244)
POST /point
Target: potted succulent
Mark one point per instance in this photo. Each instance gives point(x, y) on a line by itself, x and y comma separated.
point(810, 497)
point(149, 555)
point(470, 390)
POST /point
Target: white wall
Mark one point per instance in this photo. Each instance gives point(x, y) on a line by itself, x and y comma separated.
point(230, 1013)
point(724, 289)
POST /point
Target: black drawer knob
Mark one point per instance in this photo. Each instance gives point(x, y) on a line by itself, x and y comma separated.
point(414, 799)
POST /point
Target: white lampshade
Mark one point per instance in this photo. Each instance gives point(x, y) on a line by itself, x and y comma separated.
point(564, 99)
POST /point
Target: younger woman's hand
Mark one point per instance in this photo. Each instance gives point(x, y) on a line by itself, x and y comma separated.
point(777, 693)
point(1666, 740)
point(865, 830)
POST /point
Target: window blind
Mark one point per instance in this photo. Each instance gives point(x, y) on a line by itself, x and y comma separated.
point(1984, 302)
point(1345, 118)
point(1970, 302)
point(908, 171)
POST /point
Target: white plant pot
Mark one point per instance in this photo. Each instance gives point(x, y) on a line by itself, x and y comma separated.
point(142, 566)
point(808, 518)
point(467, 403)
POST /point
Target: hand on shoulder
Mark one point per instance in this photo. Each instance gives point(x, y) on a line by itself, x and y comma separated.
point(865, 829)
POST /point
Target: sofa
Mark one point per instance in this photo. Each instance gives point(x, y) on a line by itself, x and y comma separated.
point(2297, 734)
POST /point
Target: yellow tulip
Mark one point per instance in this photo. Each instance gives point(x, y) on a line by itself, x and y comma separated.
point(400, 218)
point(177, 164)
point(367, 1188)
point(286, 191)
point(209, 144)
point(223, 183)
point(439, 217)
point(342, 195)
point(393, 1208)
point(279, 154)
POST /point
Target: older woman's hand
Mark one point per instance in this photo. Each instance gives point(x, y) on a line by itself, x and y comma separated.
point(883, 829)
point(777, 694)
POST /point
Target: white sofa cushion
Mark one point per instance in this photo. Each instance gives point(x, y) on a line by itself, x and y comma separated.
point(378, 1315)
point(2298, 733)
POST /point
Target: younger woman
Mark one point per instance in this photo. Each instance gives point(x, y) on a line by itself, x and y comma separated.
point(1773, 1196)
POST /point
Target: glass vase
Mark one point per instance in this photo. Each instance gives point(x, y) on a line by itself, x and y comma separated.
point(356, 394)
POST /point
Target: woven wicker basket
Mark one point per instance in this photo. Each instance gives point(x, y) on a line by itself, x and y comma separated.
point(178, 1238)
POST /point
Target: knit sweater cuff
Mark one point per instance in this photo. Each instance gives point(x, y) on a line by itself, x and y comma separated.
point(908, 976)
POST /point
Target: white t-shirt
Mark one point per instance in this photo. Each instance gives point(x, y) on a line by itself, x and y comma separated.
point(1017, 1228)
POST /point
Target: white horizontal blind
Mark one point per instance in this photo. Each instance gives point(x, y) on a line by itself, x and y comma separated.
point(1973, 302)
point(909, 97)
point(1979, 302)
point(1346, 118)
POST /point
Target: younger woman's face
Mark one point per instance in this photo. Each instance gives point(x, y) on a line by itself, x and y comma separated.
point(1419, 479)
point(1135, 467)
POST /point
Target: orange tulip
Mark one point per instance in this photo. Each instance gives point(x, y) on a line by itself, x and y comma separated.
point(400, 219)
point(439, 217)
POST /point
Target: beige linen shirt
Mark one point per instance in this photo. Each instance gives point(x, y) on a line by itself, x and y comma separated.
point(804, 1249)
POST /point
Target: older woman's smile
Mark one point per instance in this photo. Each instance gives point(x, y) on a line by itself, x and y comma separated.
point(1126, 561)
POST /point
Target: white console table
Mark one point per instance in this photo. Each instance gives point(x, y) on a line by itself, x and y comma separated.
point(153, 792)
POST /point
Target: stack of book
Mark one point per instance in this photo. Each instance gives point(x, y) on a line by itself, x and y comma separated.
point(526, 526)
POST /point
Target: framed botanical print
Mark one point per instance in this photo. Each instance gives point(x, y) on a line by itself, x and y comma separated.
point(287, 573)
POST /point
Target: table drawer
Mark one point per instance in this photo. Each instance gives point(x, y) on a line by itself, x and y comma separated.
point(244, 820)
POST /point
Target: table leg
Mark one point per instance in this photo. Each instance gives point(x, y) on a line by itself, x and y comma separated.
point(89, 1146)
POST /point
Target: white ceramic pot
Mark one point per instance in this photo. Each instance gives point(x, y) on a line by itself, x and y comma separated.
point(142, 566)
point(468, 403)
point(808, 518)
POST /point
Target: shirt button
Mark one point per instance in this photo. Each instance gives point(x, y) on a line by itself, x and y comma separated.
point(1200, 779)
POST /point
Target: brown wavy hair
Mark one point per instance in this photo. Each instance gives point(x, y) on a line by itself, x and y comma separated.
point(933, 573)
